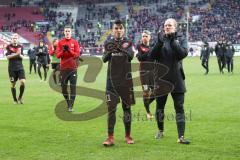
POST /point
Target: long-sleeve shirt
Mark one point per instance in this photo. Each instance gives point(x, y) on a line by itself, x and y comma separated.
point(119, 66)
point(68, 59)
point(15, 63)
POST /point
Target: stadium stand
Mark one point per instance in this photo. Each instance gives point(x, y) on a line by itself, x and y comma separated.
point(92, 21)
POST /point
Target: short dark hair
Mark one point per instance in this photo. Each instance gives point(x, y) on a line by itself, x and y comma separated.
point(118, 22)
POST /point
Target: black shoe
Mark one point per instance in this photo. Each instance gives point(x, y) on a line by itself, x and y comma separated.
point(181, 140)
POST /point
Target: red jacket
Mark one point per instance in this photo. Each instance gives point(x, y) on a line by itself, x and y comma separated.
point(50, 50)
point(69, 59)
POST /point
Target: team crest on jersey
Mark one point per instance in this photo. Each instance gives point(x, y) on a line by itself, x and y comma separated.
point(144, 49)
point(72, 44)
point(125, 44)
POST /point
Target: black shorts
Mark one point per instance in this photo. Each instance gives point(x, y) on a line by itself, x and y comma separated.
point(56, 66)
point(32, 61)
point(125, 93)
point(42, 65)
point(147, 81)
point(15, 75)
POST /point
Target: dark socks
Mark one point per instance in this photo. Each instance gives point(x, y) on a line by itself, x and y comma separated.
point(127, 121)
point(45, 74)
point(22, 88)
point(14, 93)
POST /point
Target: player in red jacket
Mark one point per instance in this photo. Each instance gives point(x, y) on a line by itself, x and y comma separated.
point(68, 52)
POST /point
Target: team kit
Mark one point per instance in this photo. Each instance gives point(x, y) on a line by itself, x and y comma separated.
point(64, 55)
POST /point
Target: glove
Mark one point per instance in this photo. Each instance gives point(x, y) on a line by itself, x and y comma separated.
point(65, 48)
point(175, 43)
point(110, 47)
point(172, 36)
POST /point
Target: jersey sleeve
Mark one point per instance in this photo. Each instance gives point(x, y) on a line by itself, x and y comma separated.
point(8, 51)
point(59, 50)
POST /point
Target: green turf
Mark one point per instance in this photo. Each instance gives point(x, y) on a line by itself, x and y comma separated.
point(32, 131)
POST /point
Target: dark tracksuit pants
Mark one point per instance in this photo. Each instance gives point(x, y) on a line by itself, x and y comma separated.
point(113, 98)
point(44, 69)
point(71, 77)
point(32, 63)
point(229, 64)
point(178, 99)
point(221, 63)
point(205, 64)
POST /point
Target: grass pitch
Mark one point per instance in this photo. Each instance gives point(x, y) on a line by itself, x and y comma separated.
point(32, 131)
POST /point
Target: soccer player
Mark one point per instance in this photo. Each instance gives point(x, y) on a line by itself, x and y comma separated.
point(32, 60)
point(69, 52)
point(15, 67)
point(42, 59)
point(170, 50)
point(205, 53)
point(146, 71)
point(118, 53)
point(54, 60)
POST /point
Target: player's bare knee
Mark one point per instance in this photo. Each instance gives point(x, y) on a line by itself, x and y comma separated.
point(22, 82)
point(146, 94)
point(13, 84)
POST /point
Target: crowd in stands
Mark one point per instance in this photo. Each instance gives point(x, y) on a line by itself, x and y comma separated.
point(220, 19)
point(14, 26)
point(215, 19)
point(93, 32)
